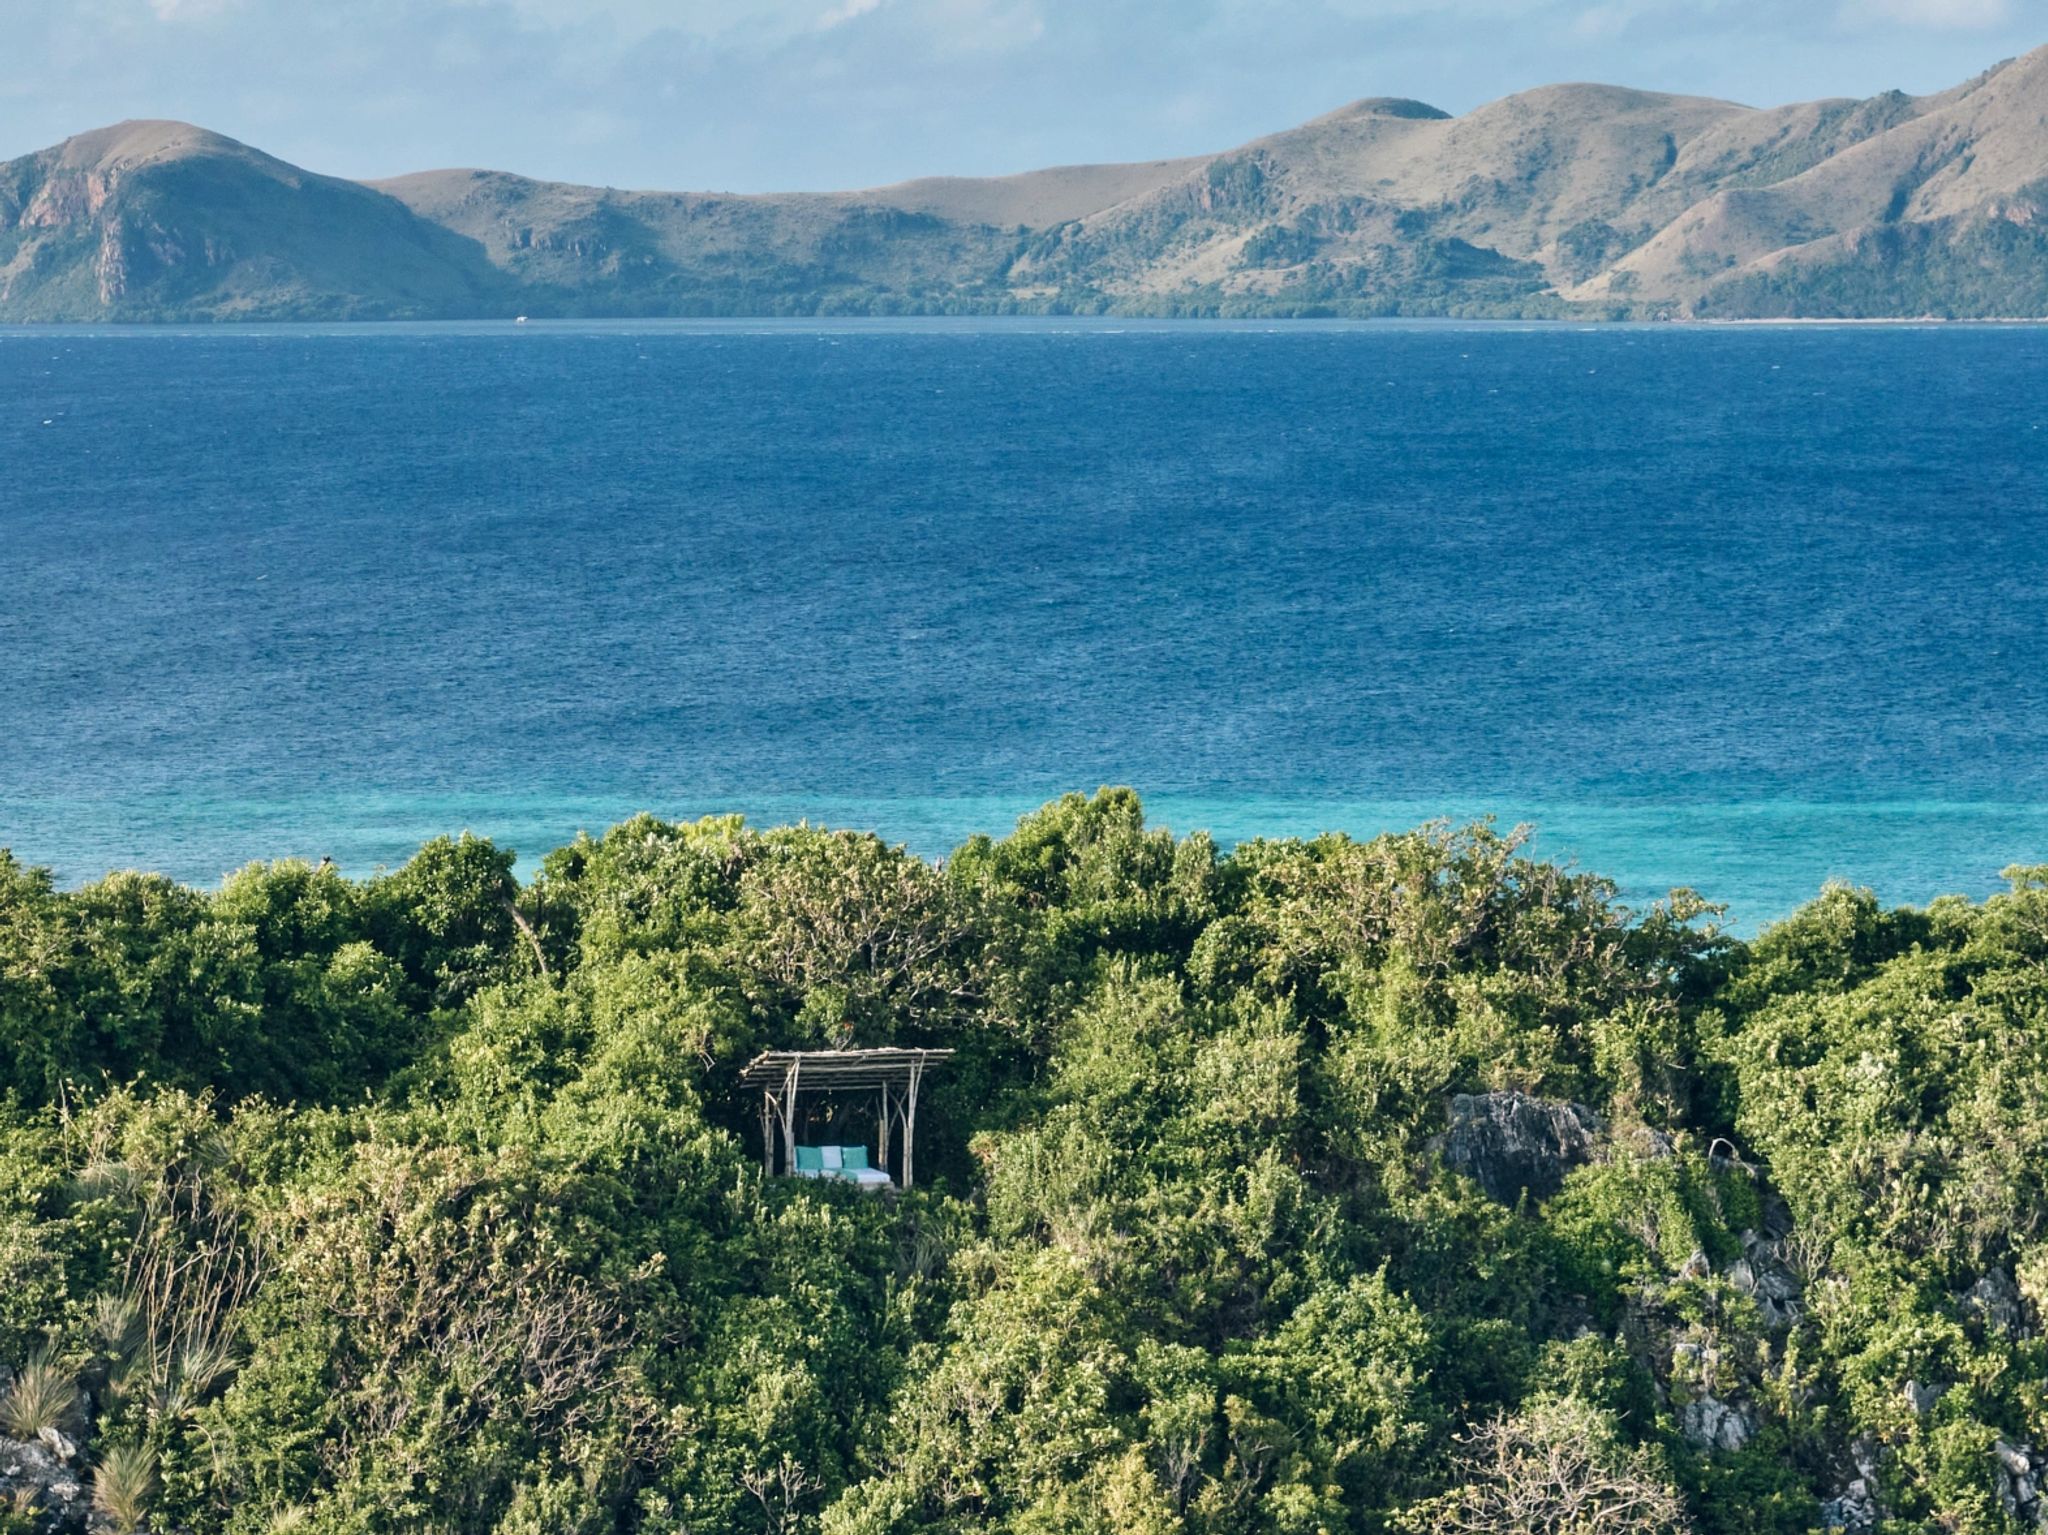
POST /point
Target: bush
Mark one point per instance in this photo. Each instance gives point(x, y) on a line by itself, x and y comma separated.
point(122, 1485)
point(43, 1395)
point(1557, 1469)
point(429, 1202)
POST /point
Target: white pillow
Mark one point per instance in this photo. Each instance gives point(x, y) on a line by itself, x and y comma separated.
point(832, 1163)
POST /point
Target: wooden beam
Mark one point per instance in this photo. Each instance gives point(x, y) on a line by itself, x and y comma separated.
point(789, 1120)
point(910, 1123)
point(839, 1068)
point(767, 1134)
point(882, 1133)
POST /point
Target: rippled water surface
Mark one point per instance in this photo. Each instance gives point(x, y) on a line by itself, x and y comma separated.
point(1740, 608)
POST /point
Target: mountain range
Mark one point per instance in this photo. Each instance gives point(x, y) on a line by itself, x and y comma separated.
point(1571, 200)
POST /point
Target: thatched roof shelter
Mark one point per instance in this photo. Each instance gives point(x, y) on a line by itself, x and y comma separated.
point(892, 1073)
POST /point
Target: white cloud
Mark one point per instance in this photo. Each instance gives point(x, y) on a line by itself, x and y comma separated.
point(845, 11)
point(1948, 15)
point(1603, 21)
point(981, 26)
point(705, 20)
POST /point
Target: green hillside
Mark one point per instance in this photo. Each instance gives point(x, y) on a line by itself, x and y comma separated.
point(1406, 1185)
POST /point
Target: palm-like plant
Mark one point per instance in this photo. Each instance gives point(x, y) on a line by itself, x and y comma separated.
point(203, 1364)
point(199, 1366)
point(42, 1395)
point(122, 1485)
point(117, 1322)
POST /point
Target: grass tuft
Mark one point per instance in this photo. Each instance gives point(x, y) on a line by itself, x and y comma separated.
point(42, 1396)
point(123, 1484)
point(117, 1322)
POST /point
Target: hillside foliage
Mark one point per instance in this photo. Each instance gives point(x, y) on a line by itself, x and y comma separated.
point(429, 1202)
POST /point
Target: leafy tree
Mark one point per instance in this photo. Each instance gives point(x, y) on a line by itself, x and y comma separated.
point(426, 1202)
point(1558, 1469)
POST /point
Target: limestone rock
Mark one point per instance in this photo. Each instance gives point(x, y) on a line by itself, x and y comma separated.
point(1762, 1274)
point(1651, 1145)
point(1922, 1399)
point(1851, 1509)
point(1995, 1301)
point(1712, 1424)
point(1855, 1507)
point(34, 1478)
point(2019, 1487)
point(1509, 1143)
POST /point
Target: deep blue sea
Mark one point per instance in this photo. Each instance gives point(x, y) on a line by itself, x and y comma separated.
point(1743, 609)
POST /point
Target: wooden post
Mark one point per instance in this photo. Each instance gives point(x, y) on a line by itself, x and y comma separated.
point(767, 1133)
point(789, 1118)
point(882, 1133)
point(910, 1120)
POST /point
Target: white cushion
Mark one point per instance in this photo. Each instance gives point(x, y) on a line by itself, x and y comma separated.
point(832, 1162)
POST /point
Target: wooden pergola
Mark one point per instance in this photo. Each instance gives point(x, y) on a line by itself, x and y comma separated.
point(785, 1075)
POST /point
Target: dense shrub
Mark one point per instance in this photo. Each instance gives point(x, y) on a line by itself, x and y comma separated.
point(430, 1202)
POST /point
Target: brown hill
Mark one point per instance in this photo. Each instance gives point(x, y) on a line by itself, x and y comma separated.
point(159, 220)
point(1571, 199)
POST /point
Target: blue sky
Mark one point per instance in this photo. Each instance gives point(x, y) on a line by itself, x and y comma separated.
point(768, 94)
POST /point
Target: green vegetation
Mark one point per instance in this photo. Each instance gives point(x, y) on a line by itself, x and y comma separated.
point(40, 1396)
point(1402, 1186)
point(1992, 266)
point(122, 1484)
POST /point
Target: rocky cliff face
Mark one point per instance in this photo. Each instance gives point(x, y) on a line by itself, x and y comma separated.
point(1576, 199)
point(44, 1483)
point(163, 221)
point(1717, 1337)
point(1511, 1144)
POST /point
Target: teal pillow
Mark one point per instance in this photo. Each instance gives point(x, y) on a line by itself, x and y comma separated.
point(853, 1158)
point(810, 1159)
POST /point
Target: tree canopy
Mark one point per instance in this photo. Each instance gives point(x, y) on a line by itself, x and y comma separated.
point(1404, 1185)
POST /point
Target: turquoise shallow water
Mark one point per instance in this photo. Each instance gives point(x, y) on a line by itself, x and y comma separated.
point(1739, 609)
point(1761, 858)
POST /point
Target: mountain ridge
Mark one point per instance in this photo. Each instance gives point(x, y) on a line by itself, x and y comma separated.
point(1580, 200)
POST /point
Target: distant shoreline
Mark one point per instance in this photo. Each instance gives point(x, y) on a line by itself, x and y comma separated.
point(1575, 203)
point(1097, 322)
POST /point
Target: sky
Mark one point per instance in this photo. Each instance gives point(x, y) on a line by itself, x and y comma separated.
point(763, 95)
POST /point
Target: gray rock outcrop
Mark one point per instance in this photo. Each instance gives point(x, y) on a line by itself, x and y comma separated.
point(49, 1486)
point(1512, 1143)
point(2019, 1472)
point(1995, 1302)
point(1855, 1506)
point(1763, 1275)
point(1711, 1424)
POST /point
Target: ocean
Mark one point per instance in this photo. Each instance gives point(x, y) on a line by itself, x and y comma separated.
point(1744, 609)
